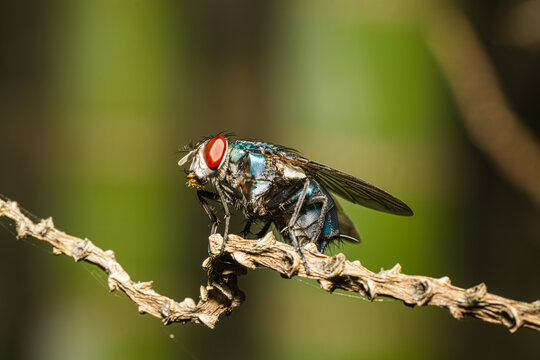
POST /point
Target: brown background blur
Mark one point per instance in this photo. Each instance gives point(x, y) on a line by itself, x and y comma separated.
point(96, 96)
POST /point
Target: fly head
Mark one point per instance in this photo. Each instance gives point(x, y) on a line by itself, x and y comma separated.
point(207, 158)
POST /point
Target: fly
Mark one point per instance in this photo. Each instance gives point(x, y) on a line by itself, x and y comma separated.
point(274, 184)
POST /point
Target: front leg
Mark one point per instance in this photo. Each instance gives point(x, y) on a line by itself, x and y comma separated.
point(203, 195)
point(227, 215)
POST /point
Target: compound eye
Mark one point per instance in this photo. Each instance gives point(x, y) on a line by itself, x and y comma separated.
point(214, 151)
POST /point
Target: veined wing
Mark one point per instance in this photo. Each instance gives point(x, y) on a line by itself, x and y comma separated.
point(346, 225)
point(352, 188)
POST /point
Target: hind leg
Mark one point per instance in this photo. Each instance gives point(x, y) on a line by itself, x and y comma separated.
point(247, 228)
point(264, 230)
point(289, 229)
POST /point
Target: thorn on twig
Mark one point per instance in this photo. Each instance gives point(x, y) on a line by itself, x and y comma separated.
point(333, 266)
point(208, 320)
point(244, 260)
point(369, 289)
point(189, 303)
point(110, 254)
point(264, 243)
point(206, 263)
point(511, 318)
point(145, 286)
point(474, 295)
point(456, 312)
point(204, 293)
point(445, 280)
point(113, 284)
point(327, 285)
point(22, 230)
point(167, 312)
point(396, 270)
point(44, 226)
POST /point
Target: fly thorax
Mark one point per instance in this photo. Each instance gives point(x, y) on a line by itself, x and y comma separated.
point(290, 171)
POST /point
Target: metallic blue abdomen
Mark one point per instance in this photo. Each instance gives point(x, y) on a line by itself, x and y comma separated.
point(311, 212)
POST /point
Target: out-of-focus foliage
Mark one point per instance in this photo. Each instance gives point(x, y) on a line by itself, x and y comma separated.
point(96, 96)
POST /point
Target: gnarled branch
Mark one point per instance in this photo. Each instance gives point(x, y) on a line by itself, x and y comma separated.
point(219, 296)
point(222, 294)
point(335, 272)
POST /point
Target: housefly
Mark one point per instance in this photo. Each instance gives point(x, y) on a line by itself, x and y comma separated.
point(274, 184)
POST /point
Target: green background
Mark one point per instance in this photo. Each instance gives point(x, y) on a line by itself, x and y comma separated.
point(97, 97)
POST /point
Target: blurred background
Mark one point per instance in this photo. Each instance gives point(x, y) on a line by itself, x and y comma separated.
point(435, 101)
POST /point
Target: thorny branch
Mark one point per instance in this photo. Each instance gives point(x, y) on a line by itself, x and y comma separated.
point(219, 296)
point(222, 294)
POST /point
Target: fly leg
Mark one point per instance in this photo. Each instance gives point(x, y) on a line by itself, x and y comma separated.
point(292, 222)
point(247, 228)
point(203, 195)
point(323, 200)
point(260, 233)
point(264, 230)
point(227, 215)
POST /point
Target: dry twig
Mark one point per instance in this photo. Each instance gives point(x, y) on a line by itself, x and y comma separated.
point(335, 272)
point(219, 296)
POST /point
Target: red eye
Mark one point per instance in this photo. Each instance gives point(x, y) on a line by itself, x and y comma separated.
point(214, 151)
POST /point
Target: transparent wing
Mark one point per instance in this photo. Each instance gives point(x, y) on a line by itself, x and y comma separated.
point(346, 225)
point(352, 188)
